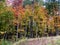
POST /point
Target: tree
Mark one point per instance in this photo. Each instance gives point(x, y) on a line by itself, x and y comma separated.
point(27, 2)
point(40, 18)
point(52, 8)
point(6, 18)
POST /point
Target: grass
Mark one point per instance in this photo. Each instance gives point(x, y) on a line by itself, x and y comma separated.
point(5, 42)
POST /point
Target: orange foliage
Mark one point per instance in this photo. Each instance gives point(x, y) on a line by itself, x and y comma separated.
point(18, 10)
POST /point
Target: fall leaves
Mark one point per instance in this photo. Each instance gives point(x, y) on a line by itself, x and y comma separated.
point(39, 16)
point(31, 16)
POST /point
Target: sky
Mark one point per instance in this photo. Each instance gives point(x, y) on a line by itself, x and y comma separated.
point(9, 2)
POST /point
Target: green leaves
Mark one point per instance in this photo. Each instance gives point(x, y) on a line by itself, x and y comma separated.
point(6, 21)
point(51, 7)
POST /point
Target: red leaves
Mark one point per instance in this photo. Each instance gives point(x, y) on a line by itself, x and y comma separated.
point(17, 7)
point(19, 10)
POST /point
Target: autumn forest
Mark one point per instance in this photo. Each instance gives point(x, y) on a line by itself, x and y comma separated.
point(31, 20)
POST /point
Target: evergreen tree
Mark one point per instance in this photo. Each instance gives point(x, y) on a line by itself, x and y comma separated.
point(52, 7)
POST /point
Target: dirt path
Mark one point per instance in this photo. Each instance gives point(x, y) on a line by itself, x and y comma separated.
point(40, 41)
